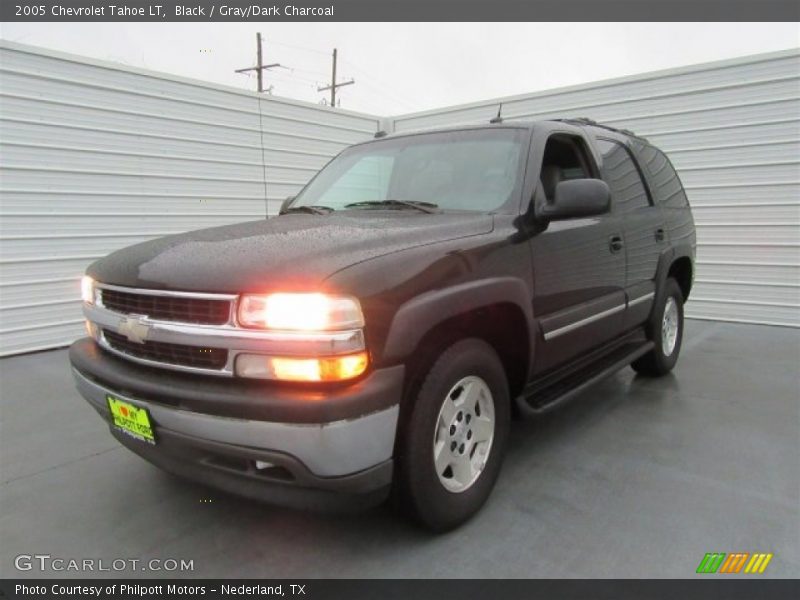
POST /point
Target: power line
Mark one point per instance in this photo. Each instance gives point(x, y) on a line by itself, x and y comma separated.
point(381, 91)
point(303, 48)
point(383, 85)
point(376, 96)
point(380, 88)
point(291, 78)
point(309, 71)
point(295, 78)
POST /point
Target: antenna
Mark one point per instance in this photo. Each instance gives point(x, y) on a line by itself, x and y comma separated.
point(498, 118)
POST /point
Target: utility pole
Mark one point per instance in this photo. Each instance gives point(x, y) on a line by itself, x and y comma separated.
point(332, 87)
point(260, 66)
point(259, 62)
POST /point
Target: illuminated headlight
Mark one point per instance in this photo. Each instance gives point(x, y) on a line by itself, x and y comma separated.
point(88, 289)
point(328, 368)
point(300, 312)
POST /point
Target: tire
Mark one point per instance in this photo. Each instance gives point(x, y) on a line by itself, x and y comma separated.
point(665, 330)
point(445, 493)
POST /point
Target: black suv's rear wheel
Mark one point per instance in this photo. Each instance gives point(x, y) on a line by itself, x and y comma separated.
point(456, 435)
point(665, 329)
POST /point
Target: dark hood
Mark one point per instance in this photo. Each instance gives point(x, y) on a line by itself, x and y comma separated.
point(287, 252)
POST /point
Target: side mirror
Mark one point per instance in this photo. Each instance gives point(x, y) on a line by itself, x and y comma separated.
point(576, 198)
point(285, 204)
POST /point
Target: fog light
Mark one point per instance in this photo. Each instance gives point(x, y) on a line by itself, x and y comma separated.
point(329, 368)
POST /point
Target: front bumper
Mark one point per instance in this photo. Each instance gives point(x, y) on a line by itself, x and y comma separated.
point(349, 455)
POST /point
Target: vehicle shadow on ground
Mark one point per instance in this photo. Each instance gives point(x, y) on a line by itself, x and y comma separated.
point(329, 540)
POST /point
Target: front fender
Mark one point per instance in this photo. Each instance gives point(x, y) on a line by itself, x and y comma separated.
point(419, 315)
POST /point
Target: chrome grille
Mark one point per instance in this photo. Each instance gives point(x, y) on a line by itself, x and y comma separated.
point(173, 354)
point(190, 331)
point(181, 309)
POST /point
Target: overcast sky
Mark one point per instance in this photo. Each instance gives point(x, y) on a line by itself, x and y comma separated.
point(404, 67)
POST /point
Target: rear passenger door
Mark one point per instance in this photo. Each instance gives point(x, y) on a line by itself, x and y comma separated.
point(642, 226)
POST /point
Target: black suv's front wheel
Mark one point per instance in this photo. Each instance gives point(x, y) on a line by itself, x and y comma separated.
point(453, 444)
point(665, 329)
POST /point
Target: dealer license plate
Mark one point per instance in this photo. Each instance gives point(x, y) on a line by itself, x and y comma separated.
point(131, 419)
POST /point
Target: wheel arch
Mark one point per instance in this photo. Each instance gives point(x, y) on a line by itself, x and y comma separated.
point(682, 271)
point(493, 311)
point(678, 263)
point(497, 310)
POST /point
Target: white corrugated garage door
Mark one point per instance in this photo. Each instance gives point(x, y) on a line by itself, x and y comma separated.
point(94, 157)
point(732, 129)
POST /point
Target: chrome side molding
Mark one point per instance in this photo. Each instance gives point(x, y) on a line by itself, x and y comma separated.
point(596, 317)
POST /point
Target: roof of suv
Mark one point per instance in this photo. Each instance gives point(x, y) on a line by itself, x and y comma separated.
point(583, 122)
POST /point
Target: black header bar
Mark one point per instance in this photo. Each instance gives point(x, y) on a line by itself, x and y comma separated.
point(397, 10)
point(708, 587)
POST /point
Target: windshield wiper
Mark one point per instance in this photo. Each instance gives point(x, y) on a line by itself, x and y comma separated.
point(310, 209)
point(427, 207)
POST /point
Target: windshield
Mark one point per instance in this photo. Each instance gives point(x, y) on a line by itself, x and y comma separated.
point(473, 170)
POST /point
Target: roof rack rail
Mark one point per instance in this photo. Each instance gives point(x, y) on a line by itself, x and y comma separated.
point(593, 123)
point(380, 134)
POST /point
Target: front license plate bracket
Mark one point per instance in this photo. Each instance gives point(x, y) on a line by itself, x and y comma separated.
point(131, 420)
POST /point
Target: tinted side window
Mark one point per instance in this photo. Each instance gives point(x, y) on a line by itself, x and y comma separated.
point(665, 183)
point(628, 191)
point(565, 157)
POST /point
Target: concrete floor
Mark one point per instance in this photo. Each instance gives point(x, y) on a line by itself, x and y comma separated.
point(636, 478)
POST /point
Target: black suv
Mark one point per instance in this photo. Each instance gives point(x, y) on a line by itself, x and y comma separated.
point(379, 334)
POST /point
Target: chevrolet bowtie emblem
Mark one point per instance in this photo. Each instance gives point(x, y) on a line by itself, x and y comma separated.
point(134, 328)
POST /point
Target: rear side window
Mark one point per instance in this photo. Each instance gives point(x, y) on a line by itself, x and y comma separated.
point(628, 191)
point(664, 181)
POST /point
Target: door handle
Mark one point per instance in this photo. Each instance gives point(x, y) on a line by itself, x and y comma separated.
point(615, 244)
point(660, 234)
